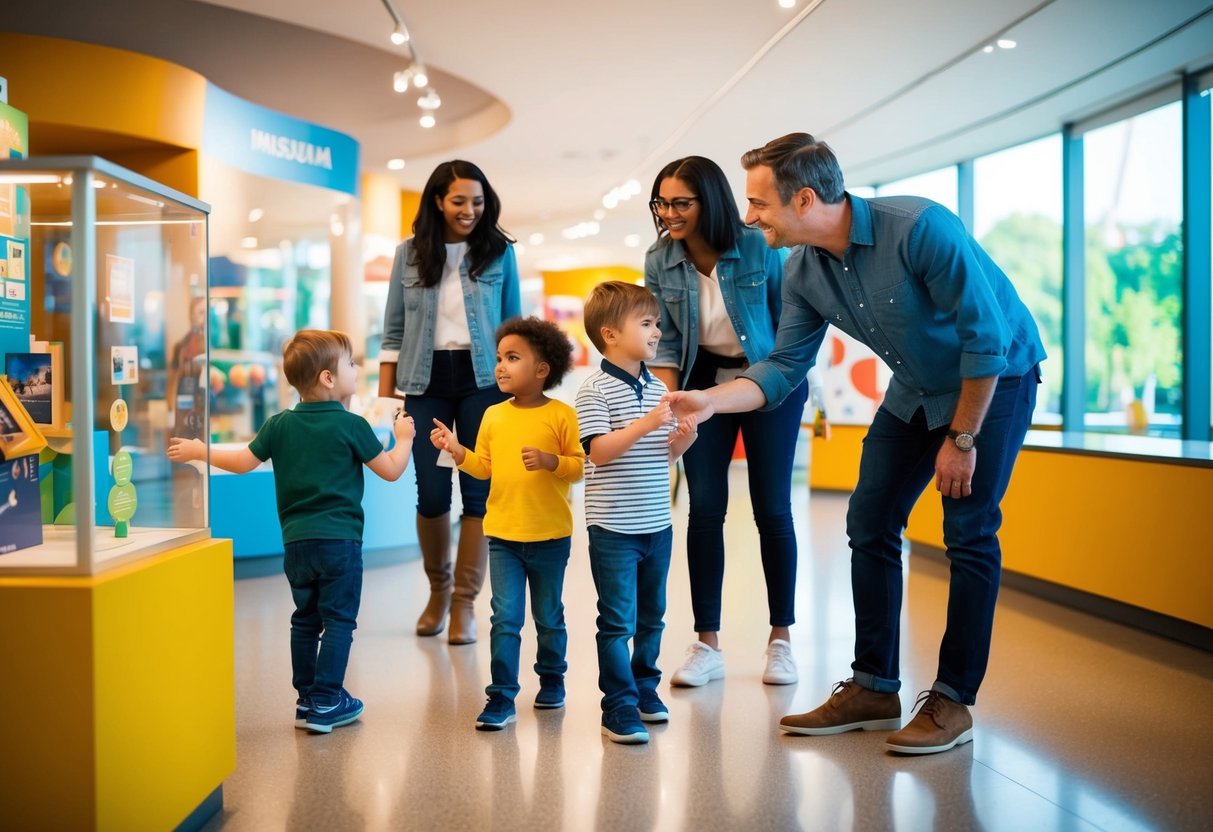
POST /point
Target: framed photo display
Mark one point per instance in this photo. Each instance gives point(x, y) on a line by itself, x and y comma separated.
point(19, 436)
point(36, 378)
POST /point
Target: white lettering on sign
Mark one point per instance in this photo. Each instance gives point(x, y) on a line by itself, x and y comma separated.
point(294, 150)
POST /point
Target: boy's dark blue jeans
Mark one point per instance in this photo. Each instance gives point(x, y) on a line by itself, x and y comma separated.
point(630, 575)
point(513, 565)
point(326, 582)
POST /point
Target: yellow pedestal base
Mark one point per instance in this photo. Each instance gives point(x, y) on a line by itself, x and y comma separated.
point(118, 694)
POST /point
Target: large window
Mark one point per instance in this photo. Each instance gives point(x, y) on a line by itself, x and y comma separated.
point(1017, 220)
point(938, 185)
point(1133, 205)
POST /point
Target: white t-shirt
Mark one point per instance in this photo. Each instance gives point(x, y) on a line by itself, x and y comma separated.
point(451, 326)
point(716, 333)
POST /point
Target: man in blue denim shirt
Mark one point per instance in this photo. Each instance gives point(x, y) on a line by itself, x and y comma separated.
point(904, 277)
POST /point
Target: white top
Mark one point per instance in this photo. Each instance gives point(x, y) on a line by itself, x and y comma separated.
point(716, 333)
point(451, 326)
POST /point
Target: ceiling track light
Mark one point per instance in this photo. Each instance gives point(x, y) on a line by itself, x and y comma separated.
point(414, 75)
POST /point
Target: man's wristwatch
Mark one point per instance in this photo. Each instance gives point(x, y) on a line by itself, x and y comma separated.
point(962, 439)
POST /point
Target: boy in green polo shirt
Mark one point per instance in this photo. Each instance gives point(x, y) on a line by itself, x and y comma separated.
point(318, 449)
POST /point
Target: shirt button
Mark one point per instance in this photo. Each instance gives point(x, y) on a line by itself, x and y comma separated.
point(861, 306)
point(873, 329)
point(742, 337)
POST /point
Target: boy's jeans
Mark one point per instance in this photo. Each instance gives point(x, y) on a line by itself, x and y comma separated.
point(630, 574)
point(326, 582)
point(512, 566)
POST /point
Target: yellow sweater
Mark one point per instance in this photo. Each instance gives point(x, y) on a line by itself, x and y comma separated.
point(527, 506)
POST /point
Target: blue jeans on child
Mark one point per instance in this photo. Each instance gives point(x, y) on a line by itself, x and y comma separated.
point(326, 582)
point(513, 565)
point(630, 574)
point(898, 462)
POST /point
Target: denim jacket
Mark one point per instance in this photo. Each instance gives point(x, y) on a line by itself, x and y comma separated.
point(412, 309)
point(920, 292)
point(750, 275)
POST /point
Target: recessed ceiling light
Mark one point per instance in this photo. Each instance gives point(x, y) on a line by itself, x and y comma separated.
point(395, 164)
point(1005, 43)
point(248, 242)
point(787, 4)
point(427, 121)
point(255, 214)
point(988, 48)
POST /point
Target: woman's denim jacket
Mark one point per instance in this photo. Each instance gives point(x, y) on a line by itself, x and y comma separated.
point(751, 278)
point(412, 309)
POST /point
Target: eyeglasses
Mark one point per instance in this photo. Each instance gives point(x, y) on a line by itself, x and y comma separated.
point(680, 205)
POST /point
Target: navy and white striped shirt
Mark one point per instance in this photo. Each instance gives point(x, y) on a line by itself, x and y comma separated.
point(630, 494)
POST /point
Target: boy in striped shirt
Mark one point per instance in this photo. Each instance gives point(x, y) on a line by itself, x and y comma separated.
point(630, 437)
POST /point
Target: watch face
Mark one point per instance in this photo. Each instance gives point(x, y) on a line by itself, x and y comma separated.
point(964, 441)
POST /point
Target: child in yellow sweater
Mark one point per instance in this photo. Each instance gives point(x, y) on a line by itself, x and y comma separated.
point(531, 449)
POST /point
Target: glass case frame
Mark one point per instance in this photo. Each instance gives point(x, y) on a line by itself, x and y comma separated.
point(108, 204)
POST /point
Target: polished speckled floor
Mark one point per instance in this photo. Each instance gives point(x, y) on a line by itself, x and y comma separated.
point(1082, 724)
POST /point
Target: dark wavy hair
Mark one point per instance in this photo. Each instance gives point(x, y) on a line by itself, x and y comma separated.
point(719, 223)
point(547, 340)
point(487, 240)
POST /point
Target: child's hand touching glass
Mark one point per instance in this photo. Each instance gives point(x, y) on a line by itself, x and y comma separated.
point(537, 460)
point(185, 450)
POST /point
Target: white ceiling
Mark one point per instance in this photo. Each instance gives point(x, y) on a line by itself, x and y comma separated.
point(561, 101)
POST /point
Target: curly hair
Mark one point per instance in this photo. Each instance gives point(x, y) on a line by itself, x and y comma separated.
point(547, 340)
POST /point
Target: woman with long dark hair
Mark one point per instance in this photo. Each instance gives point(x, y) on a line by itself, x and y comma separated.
point(453, 283)
point(718, 285)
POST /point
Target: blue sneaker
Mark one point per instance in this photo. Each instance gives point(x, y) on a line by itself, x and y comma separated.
point(551, 693)
point(323, 719)
point(498, 712)
point(303, 705)
point(652, 709)
point(623, 725)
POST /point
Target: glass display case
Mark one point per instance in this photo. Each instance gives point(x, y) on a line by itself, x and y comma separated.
point(104, 337)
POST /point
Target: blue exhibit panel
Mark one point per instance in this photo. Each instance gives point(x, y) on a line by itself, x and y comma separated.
point(243, 508)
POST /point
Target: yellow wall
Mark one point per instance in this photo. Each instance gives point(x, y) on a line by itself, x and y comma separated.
point(834, 465)
point(141, 112)
point(120, 692)
point(580, 282)
point(1133, 531)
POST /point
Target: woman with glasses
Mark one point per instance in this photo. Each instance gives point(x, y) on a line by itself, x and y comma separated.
point(718, 286)
point(452, 284)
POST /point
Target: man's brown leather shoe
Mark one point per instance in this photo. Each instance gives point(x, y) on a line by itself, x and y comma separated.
point(849, 708)
point(941, 723)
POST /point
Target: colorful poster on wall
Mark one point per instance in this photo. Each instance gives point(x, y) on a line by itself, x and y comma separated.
point(14, 140)
point(14, 296)
point(855, 380)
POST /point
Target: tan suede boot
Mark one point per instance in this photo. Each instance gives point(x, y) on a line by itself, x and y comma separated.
point(471, 562)
point(434, 536)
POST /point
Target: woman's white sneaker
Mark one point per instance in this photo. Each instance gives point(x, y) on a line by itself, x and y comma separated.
point(781, 667)
point(702, 665)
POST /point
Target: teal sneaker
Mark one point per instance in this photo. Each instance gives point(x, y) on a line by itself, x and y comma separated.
point(322, 719)
point(498, 712)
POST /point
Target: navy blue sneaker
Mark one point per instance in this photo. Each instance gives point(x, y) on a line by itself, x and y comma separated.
point(551, 693)
point(498, 712)
point(323, 719)
point(302, 706)
point(652, 709)
point(623, 725)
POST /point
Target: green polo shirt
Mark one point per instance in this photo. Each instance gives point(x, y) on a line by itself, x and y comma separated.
point(318, 450)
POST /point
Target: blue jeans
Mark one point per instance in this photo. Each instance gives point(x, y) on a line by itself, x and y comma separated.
point(898, 462)
point(770, 437)
point(629, 573)
point(453, 399)
point(326, 582)
point(512, 566)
